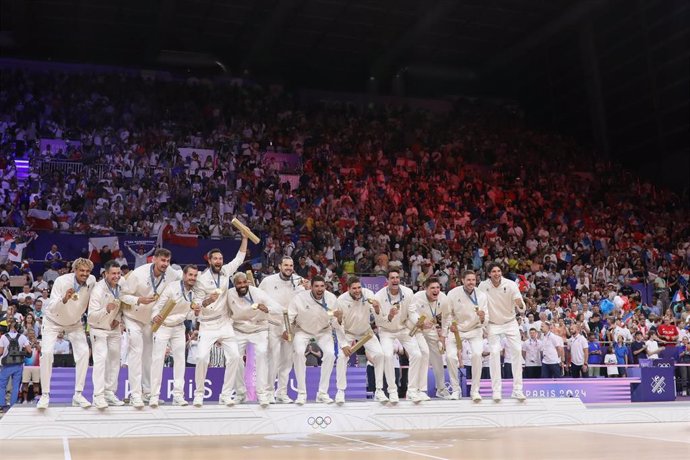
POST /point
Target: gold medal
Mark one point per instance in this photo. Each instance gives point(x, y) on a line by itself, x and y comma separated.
point(75, 297)
point(255, 306)
point(155, 297)
point(217, 291)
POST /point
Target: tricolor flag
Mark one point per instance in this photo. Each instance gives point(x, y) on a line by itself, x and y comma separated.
point(679, 296)
point(96, 244)
point(39, 219)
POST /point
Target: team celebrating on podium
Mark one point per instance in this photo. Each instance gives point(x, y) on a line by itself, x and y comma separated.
point(280, 317)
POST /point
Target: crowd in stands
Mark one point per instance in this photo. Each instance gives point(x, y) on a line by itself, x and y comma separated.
point(428, 193)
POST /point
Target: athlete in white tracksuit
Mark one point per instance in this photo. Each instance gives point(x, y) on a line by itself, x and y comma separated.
point(171, 330)
point(504, 297)
point(249, 309)
point(141, 290)
point(430, 303)
point(215, 325)
point(68, 301)
point(468, 307)
point(353, 312)
point(283, 287)
point(104, 319)
point(397, 310)
point(311, 313)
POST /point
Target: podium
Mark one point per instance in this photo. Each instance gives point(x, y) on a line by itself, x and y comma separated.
point(657, 381)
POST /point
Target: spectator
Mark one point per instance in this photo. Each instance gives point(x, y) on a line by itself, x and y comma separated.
point(652, 346)
point(622, 353)
point(610, 361)
point(53, 255)
point(13, 349)
point(596, 356)
point(313, 354)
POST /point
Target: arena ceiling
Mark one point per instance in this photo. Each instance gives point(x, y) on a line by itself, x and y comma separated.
point(304, 40)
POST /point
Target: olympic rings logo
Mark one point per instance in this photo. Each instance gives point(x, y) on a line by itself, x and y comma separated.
point(319, 422)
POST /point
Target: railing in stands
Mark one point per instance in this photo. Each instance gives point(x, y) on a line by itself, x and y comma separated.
point(64, 167)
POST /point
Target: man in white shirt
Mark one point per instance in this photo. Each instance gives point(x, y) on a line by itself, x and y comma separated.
point(283, 287)
point(104, 321)
point(141, 290)
point(249, 307)
point(504, 296)
point(353, 311)
point(139, 255)
point(68, 301)
point(467, 313)
point(171, 331)
point(553, 359)
point(531, 354)
point(311, 312)
point(26, 292)
point(397, 309)
point(579, 352)
point(430, 304)
point(214, 322)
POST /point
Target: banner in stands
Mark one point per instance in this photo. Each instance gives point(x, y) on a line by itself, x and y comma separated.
point(282, 162)
point(203, 154)
point(58, 144)
point(73, 246)
point(646, 292)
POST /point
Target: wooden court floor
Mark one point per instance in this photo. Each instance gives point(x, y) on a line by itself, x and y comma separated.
point(667, 441)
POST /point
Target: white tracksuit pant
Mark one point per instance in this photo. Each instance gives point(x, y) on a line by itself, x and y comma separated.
point(77, 337)
point(260, 342)
point(139, 356)
point(431, 354)
point(411, 346)
point(175, 335)
point(374, 354)
point(325, 342)
point(105, 346)
point(209, 333)
point(476, 342)
point(511, 331)
point(279, 360)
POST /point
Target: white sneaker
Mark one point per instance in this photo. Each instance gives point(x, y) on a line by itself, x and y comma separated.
point(340, 397)
point(497, 397)
point(323, 398)
point(414, 396)
point(78, 400)
point(380, 396)
point(424, 396)
point(284, 399)
point(146, 398)
point(153, 401)
point(442, 393)
point(99, 402)
point(198, 400)
point(263, 400)
point(113, 400)
point(227, 400)
point(178, 400)
point(476, 397)
point(454, 396)
point(519, 395)
point(393, 397)
point(43, 402)
point(301, 399)
point(240, 398)
point(136, 401)
point(271, 398)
